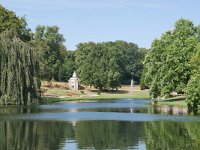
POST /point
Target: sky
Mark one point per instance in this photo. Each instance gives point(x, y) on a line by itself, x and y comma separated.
point(137, 21)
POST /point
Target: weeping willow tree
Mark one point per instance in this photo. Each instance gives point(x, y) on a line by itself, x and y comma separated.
point(19, 68)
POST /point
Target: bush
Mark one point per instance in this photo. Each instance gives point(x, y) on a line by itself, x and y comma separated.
point(193, 92)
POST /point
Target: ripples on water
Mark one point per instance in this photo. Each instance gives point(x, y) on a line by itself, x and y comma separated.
point(111, 124)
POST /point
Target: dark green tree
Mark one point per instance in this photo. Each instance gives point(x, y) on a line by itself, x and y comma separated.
point(19, 71)
point(8, 20)
point(193, 87)
point(96, 65)
point(166, 65)
point(67, 67)
point(85, 55)
point(130, 61)
point(49, 43)
point(107, 65)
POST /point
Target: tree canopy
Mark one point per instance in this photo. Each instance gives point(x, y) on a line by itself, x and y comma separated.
point(9, 21)
point(109, 64)
point(193, 87)
point(167, 66)
point(51, 50)
point(19, 68)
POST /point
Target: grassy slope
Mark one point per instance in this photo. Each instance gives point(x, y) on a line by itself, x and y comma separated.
point(60, 94)
point(138, 94)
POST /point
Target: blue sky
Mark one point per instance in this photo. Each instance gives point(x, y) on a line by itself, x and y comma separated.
point(137, 21)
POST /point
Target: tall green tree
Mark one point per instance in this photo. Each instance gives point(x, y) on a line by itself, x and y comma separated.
point(96, 65)
point(85, 55)
point(19, 71)
point(166, 65)
point(130, 61)
point(193, 87)
point(9, 20)
point(67, 67)
point(52, 52)
point(109, 64)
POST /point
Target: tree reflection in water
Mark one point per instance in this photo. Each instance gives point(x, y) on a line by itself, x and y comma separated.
point(54, 135)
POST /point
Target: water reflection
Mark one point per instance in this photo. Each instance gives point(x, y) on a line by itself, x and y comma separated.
point(33, 135)
point(174, 110)
point(108, 135)
point(122, 106)
point(54, 135)
point(172, 135)
point(113, 124)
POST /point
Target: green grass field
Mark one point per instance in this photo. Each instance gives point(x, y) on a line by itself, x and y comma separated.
point(56, 95)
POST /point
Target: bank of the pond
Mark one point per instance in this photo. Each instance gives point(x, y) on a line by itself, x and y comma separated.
point(181, 103)
point(137, 94)
point(142, 94)
point(174, 101)
point(58, 92)
point(61, 94)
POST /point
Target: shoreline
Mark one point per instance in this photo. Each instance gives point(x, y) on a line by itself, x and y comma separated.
point(49, 100)
point(58, 92)
point(181, 103)
point(85, 98)
point(178, 101)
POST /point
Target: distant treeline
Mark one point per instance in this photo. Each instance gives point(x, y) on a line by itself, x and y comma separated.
point(107, 65)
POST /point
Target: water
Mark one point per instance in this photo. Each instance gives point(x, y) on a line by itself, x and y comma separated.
point(112, 124)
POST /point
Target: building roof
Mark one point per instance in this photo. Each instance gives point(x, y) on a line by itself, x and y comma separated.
point(74, 76)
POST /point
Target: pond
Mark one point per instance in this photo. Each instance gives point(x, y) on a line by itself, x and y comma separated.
point(107, 124)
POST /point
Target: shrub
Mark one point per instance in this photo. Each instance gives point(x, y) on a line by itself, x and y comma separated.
point(193, 92)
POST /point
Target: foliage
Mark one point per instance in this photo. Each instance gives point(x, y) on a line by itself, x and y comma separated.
point(193, 92)
point(9, 21)
point(19, 79)
point(193, 87)
point(67, 67)
point(108, 64)
point(166, 65)
point(49, 43)
point(130, 61)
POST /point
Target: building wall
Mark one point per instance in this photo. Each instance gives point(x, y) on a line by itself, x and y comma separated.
point(73, 84)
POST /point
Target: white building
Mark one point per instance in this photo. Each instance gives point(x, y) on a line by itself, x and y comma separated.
point(74, 82)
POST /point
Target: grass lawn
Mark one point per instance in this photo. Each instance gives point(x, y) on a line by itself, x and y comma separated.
point(59, 94)
point(181, 103)
point(173, 101)
point(57, 91)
